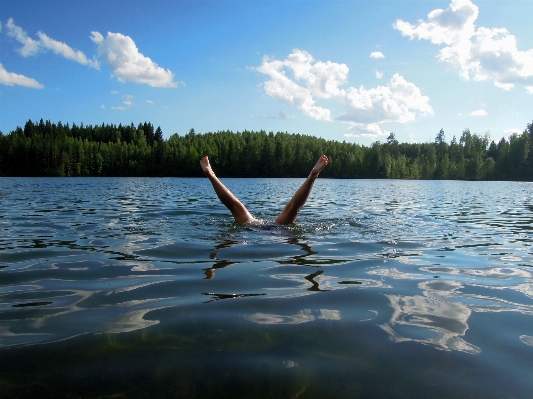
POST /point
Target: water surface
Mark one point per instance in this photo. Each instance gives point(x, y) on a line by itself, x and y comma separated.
point(133, 287)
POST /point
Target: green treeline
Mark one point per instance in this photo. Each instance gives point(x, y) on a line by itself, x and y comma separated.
point(49, 149)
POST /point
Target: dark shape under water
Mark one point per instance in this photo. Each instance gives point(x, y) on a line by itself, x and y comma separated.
point(217, 297)
point(23, 305)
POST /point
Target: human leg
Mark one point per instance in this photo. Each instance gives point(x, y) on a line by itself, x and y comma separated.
point(290, 212)
point(237, 209)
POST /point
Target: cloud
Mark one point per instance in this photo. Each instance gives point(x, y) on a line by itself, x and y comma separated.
point(529, 89)
point(511, 131)
point(301, 82)
point(281, 115)
point(369, 131)
point(12, 79)
point(504, 86)
point(118, 108)
point(66, 51)
point(32, 47)
point(476, 53)
point(29, 46)
point(479, 112)
point(320, 79)
point(149, 101)
point(379, 74)
point(127, 100)
point(121, 55)
point(376, 54)
point(396, 102)
point(102, 106)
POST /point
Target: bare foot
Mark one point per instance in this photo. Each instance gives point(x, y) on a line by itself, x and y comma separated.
point(206, 167)
point(320, 164)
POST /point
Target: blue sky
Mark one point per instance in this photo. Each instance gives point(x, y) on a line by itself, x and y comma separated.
point(342, 70)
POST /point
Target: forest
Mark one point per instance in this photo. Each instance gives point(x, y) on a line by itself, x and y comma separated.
point(52, 149)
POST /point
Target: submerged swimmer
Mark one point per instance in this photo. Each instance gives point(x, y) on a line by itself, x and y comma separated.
point(239, 211)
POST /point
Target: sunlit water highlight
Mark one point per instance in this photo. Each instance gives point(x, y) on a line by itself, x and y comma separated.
point(146, 288)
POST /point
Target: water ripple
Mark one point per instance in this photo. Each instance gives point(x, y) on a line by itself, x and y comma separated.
point(392, 267)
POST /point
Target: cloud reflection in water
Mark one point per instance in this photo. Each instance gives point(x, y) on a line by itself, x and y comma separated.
point(439, 316)
point(303, 316)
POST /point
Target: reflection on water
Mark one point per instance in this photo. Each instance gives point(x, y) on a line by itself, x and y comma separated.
point(429, 321)
point(303, 316)
point(377, 279)
point(132, 321)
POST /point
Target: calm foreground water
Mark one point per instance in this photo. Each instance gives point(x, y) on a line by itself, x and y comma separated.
point(146, 288)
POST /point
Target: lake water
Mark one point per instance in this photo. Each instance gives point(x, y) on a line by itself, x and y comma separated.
point(146, 288)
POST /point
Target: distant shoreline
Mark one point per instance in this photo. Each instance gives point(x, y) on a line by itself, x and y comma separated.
point(46, 149)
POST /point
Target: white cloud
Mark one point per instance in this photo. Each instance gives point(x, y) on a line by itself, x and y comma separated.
point(396, 102)
point(102, 106)
point(479, 112)
point(118, 108)
point(376, 54)
point(369, 131)
point(312, 81)
point(477, 53)
point(504, 86)
point(450, 26)
point(149, 101)
point(12, 79)
point(413, 138)
point(511, 131)
point(379, 74)
point(320, 79)
point(127, 100)
point(66, 51)
point(32, 47)
point(29, 46)
point(529, 89)
point(120, 53)
point(113, 92)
